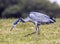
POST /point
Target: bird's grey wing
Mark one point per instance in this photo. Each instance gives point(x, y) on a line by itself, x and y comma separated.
point(39, 17)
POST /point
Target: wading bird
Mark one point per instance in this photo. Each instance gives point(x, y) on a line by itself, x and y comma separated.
point(37, 19)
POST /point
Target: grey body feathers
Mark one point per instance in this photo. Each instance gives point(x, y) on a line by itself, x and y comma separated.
point(36, 18)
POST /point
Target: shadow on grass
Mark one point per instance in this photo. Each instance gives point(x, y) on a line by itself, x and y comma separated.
point(30, 34)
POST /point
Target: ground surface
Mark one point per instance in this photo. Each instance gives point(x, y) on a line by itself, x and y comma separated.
point(49, 34)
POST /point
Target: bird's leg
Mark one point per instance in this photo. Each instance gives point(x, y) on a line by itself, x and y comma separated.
point(38, 30)
point(36, 27)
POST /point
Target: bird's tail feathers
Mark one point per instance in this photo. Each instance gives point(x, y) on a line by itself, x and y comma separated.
point(53, 19)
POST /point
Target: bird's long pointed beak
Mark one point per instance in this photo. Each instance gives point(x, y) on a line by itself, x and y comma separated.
point(12, 28)
point(15, 23)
